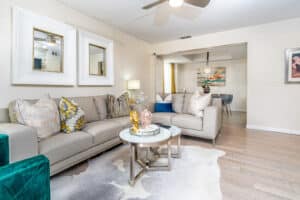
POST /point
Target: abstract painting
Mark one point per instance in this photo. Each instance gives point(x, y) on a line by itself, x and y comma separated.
point(217, 76)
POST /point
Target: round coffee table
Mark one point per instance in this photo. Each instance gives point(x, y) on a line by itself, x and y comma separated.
point(137, 142)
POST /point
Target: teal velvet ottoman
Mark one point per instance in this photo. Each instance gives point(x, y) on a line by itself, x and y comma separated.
point(27, 179)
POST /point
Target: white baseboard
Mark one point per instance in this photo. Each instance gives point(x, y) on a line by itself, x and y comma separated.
point(279, 130)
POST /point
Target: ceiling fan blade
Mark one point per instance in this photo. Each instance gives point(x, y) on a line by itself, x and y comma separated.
point(198, 3)
point(151, 5)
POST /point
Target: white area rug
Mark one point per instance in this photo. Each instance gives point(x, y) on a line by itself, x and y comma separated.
point(195, 176)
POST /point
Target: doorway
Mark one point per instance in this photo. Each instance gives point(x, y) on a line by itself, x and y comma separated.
point(225, 68)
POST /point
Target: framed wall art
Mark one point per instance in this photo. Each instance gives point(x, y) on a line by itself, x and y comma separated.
point(216, 77)
point(43, 50)
point(96, 66)
point(292, 65)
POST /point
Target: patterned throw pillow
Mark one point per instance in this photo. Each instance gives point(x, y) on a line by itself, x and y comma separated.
point(71, 116)
point(118, 107)
point(43, 115)
point(166, 99)
point(14, 112)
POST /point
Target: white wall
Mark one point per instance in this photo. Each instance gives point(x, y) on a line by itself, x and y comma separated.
point(132, 57)
point(271, 104)
point(236, 80)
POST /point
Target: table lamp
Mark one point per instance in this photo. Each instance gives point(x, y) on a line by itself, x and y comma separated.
point(133, 85)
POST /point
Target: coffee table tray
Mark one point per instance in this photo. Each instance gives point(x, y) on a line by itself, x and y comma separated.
point(151, 130)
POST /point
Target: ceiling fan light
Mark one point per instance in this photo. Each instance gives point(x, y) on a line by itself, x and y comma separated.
point(175, 3)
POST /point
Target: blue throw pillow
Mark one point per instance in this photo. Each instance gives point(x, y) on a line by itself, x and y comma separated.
point(163, 107)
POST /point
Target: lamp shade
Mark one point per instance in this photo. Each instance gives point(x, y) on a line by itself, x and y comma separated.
point(133, 85)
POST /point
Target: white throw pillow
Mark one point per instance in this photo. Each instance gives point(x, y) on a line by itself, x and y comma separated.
point(167, 99)
point(43, 115)
point(198, 103)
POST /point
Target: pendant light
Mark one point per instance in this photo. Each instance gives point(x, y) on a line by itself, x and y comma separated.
point(207, 69)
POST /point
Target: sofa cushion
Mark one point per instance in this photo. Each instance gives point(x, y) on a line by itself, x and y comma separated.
point(62, 146)
point(43, 116)
point(198, 103)
point(187, 121)
point(103, 131)
point(186, 103)
point(12, 112)
point(162, 118)
point(88, 106)
point(177, 102)
point(100, 102)
point(163, 107)
point(123, 121)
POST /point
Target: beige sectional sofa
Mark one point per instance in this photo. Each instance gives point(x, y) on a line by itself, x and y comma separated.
point(65, 150)
point(206, 127)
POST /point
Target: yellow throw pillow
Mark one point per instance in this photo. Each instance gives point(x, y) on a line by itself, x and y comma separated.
point(71, 116)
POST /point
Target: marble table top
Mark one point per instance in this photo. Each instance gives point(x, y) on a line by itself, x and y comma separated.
point(163, 136)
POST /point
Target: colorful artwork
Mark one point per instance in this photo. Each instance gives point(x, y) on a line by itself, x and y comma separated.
point(296, 65)
point(217, 77)
point(293, 65)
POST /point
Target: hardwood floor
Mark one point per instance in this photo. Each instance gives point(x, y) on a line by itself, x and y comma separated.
point(258, 164)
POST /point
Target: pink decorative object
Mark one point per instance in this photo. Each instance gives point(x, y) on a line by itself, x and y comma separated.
point(146, 118)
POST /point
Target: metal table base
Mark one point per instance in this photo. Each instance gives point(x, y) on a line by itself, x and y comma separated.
point(148, 165)
point(177, 152)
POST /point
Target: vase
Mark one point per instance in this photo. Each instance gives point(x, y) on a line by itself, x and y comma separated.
point(206, 89)
point(146, 118)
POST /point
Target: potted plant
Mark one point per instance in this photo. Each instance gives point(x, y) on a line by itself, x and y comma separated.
point(205, 86)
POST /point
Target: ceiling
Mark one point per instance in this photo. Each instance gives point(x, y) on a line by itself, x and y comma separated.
point(164, 23)
point(220, 53)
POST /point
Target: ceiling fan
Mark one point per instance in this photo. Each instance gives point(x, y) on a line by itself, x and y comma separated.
point(178, 3)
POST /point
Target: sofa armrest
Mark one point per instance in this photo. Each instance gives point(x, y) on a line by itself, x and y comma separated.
point(26, 179)
point(212, 121)
point(23, 141)
point(217, 102)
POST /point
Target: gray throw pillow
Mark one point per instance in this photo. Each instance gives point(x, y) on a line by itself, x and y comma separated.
point(118, 107)
point(88, 106)
point(100, 102)
point(177, 102)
